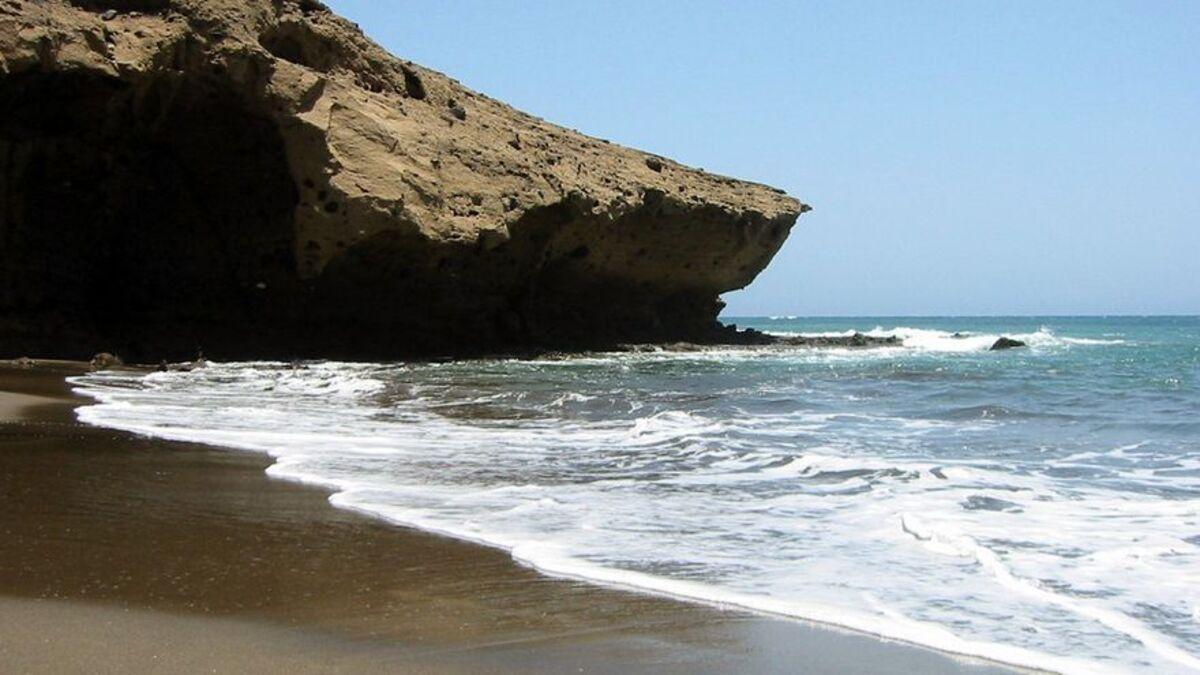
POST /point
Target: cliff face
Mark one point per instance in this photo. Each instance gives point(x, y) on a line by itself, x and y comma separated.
point(258, 178)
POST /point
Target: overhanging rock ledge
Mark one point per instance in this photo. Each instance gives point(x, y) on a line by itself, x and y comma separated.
point(258, 178)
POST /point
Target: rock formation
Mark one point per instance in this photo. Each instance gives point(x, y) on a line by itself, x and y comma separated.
point(258, 178)
point(1005, 343)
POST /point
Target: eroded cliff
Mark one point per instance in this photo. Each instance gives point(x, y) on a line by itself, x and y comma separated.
point(258, 178)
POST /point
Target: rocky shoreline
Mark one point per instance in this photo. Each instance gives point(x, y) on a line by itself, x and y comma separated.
point(259, 179)
point(731, 337)
point(727, 337)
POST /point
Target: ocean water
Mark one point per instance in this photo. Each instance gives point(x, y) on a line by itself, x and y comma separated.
point(1038, 506)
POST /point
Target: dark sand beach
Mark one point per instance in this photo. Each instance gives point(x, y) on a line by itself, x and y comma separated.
point(126, 554)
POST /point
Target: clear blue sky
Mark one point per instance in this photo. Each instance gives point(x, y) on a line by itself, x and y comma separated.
point(1016, 157)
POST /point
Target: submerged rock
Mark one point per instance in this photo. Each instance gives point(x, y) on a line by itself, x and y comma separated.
point(855, 340)
point(752, 339)
point(1006, 343)
point(260, 177)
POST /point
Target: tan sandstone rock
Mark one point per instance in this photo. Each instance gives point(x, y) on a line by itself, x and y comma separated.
point(259, 178)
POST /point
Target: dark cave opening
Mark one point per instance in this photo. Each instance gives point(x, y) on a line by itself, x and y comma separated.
point(126, 208)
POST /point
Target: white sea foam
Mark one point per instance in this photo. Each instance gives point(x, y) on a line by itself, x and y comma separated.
point(932, 340)
point(842, 516)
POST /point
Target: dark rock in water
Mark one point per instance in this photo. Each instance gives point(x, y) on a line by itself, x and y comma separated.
point(731, 337)
point(855, 340)
point(259, 175)
point(1006, 343)
point(749, 336)
point(105, 361)
point(959, 336)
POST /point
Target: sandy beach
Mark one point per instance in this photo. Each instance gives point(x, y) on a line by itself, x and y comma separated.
point(126, 554)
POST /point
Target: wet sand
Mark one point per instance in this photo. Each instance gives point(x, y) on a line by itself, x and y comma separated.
point(129, 554)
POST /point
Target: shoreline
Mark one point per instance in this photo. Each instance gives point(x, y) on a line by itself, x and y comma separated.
point(114, 528)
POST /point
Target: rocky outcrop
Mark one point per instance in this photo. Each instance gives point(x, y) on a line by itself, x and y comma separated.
point(105, 361)
point(1005, 343)
point(258, 178)
point(751, 339)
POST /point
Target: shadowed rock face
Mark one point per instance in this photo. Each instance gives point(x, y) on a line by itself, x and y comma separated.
point(114, 223)
point(259, 179)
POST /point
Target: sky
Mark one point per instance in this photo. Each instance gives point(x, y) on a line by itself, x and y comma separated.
point(962, 158)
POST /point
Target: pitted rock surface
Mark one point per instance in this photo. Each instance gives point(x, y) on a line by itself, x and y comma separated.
point(258, 178)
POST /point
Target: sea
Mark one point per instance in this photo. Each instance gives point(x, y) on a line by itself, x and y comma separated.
point(1038, 506)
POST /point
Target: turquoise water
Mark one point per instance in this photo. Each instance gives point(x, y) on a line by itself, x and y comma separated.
point(1038, 506)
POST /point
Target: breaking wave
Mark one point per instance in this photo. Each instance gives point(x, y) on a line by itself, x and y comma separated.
point(1032, 511)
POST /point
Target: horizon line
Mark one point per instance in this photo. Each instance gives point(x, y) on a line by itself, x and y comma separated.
point(966, 316)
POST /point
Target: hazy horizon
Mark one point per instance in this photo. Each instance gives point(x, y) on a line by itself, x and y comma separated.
point(1180, 315)
point(979, 159)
